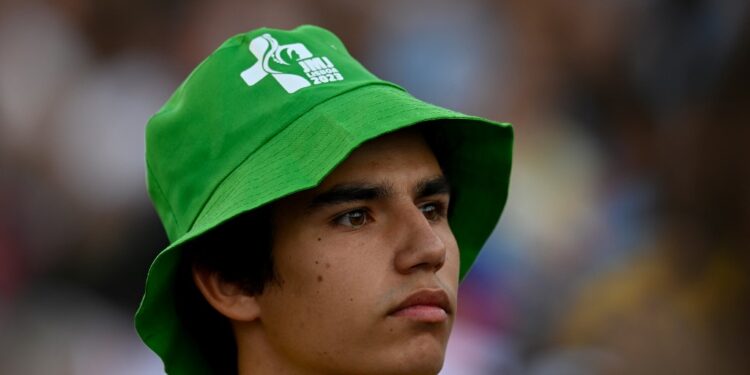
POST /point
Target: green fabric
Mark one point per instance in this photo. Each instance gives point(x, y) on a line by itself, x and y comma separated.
point(225, 144)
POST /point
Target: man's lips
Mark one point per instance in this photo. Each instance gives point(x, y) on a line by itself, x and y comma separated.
point(425, 305)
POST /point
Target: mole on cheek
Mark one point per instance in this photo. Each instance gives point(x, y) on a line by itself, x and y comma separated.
point(328, 265)
point(320, 278)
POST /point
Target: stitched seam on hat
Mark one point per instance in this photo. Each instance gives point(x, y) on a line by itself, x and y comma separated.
point(161, 192)
point(281, 130)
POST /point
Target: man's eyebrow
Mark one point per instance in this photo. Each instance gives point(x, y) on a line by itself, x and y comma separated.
point(349, 193)
point(432, 186)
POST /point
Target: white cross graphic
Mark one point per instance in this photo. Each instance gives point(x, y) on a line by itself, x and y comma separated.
point(265, 47)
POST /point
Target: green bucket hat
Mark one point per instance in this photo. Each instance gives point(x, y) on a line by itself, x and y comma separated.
point(270, 113)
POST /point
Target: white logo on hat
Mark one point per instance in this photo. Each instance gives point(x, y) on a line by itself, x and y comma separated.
point(318, 70)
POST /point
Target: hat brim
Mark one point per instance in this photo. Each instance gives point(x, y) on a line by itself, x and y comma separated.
point(478, 165)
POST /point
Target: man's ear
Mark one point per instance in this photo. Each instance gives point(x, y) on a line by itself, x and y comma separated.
point(228, 298)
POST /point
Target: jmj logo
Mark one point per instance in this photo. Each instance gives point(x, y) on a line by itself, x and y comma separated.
point(317, 70)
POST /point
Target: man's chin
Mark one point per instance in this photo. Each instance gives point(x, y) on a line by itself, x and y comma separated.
point(422, 355)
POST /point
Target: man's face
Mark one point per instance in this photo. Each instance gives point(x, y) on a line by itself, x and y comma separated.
point(368, 266)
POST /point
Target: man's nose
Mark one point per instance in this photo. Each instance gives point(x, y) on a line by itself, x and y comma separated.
point(419, 244)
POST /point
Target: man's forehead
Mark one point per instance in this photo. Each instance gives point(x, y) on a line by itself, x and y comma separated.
point(395, 162)
point(394, 158)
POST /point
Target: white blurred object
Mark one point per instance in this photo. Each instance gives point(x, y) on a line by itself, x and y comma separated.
point(476, 350)
point(98, 144)
point(40, 53)
point(62, 330)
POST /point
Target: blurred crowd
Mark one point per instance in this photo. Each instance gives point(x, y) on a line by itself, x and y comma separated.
point(624, 245)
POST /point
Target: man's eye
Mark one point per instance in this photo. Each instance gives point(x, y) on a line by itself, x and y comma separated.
point(353, 219)
point(433, 211)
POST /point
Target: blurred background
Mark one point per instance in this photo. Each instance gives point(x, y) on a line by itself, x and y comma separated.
point(624, 245)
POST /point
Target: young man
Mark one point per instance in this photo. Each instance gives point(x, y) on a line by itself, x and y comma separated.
point(320, 218)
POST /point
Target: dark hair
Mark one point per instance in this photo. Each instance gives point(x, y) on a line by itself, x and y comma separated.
point(239, 250)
